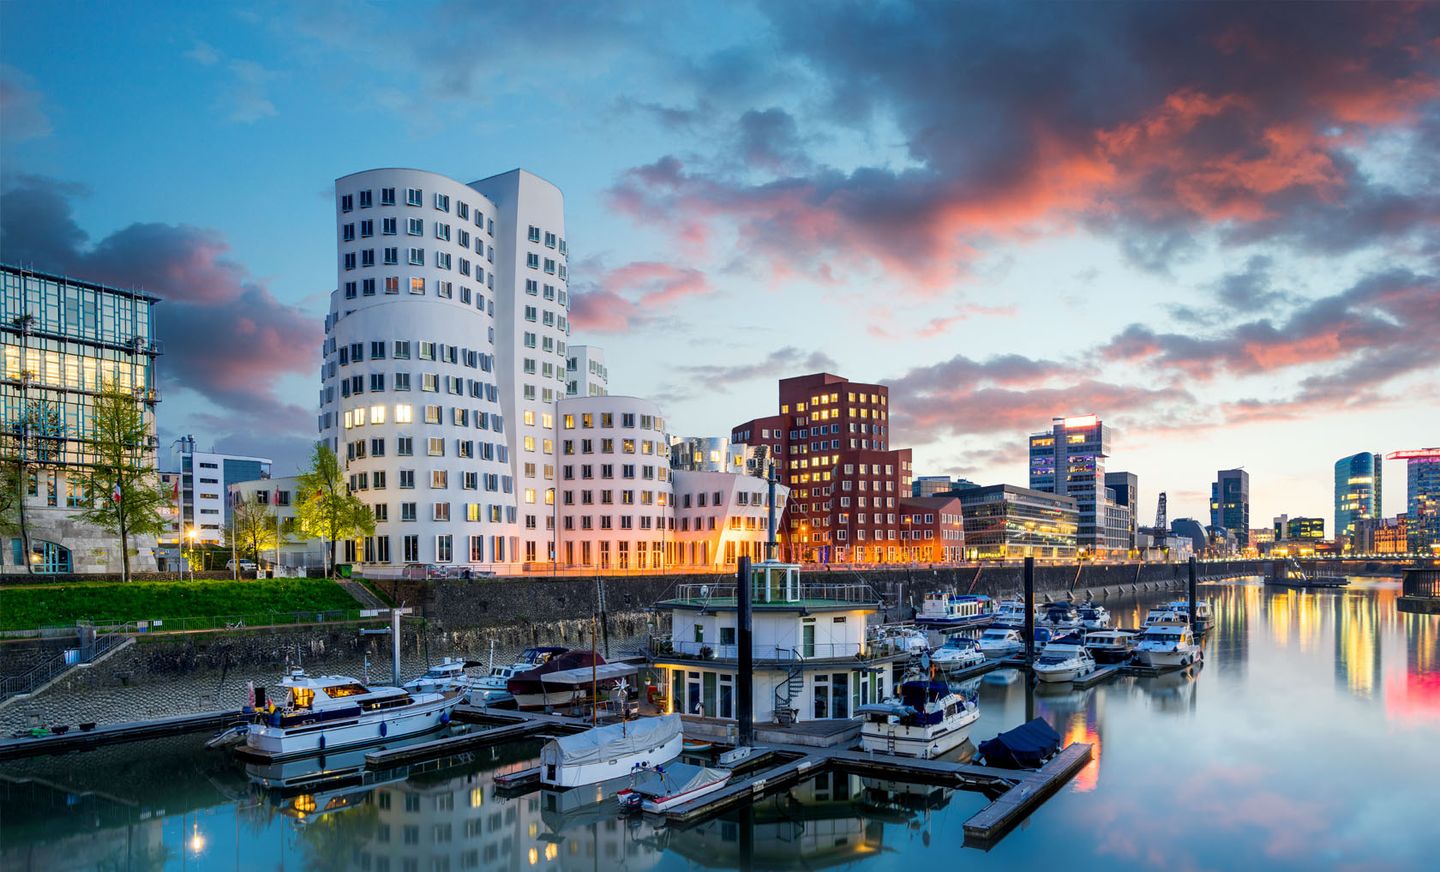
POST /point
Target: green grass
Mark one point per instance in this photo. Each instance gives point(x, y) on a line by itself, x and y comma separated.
point(181, 604)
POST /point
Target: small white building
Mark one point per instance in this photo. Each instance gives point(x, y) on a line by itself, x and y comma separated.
point(813, 658)
point(722, 516)
point(281, 494)
point(585, 372)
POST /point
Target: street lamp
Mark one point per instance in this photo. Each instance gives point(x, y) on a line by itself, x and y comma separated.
point(190, 534)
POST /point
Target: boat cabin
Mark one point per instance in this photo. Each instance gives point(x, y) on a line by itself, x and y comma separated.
point(814, 656)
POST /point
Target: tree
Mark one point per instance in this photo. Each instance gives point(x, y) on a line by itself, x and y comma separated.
point(34, 440)
point(252, 528)
point(327, 510)
point(123, 491)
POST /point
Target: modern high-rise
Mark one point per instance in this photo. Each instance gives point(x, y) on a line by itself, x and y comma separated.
point(444, 354)
point(1124, 490)
point(205, 478)
point(1003, 521)
point(1069, 459)
point(935, 485)
point(1230, 503)
point(1422, 497)
point(585, 372)
point(63, 340)
point(1357, 492)
point(831, 443)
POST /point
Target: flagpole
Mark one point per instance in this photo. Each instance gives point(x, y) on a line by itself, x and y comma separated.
point(276, 572)
point(234, 557)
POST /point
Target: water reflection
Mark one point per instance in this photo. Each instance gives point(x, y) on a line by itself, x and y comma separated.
point(1303, 742)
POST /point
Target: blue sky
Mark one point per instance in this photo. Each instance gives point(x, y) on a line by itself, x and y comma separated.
point(1214, 225)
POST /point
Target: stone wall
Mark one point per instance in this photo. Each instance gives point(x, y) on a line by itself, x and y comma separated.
point(91, 549)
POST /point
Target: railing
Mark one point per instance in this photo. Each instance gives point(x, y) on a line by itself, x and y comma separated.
point(1421, 582)
point(662, 646)
point(853, 592)
point(40, 675)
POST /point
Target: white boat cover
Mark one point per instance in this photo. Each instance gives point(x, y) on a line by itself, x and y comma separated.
point(585, 674)
point(676, 778)
point(611, 742)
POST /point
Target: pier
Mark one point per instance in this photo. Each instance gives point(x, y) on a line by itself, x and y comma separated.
point(106, 734)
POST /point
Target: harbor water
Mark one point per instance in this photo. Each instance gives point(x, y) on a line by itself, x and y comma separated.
point(1310, 739)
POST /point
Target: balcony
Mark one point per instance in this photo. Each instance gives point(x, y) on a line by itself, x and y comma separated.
point(792, 597)
point(666, 647)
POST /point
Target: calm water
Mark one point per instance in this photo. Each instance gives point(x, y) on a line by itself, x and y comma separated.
point(1311, 739)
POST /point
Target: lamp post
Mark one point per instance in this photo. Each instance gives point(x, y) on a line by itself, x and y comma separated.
point(190, 558)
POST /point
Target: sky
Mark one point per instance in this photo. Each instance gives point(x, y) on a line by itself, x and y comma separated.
point(1216, 226)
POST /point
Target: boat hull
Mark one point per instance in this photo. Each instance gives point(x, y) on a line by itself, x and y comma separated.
point(658, 805)
point(1000, 652)
point(1182, 657)
point(371, 728)
point(922, 742)
point(1069, 673)
point(1110, 655)
point(579, 775)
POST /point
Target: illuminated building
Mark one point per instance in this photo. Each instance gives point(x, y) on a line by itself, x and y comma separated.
point(1126, 488)
point(935, 485)
point(1288, 529)
point(205, 476)
point(1357, 492)
point(932, 529)
point(1230, 503)
point(1382, 535)
point(64, 339)
point(831, 443)
point(585, 372)
point(1069, 459)
point(1006, 521)
point(1422, 503)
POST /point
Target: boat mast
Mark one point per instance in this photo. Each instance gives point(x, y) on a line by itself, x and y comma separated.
point(594, 680)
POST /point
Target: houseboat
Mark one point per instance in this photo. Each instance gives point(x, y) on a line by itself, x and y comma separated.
point(564, 679)
point(925, 719)
point(334, 712)
point(945, 610)
point(493, 688)
point(1292, 574)
point(812, 656)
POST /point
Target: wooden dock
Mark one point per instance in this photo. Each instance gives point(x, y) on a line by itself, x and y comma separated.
point(504, 726)
point(1012, 806)
point(107, 734)
point(1101, 673)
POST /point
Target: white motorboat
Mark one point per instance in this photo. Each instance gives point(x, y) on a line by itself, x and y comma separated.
point(903, 639)
point(664, 787)
point(1167, 644)
point(1110, 646)
point(333, 712)
point(1064, 660)
point(997, 643)
point(1094, 616)
point(958, 652)
point(1059, 616)
point(1203, 616)
point(1164, 615)
point(1011, 613)
point(447, 676)
point(610, 751)
point(925, 719)
point(946, 610)
point(492, 688)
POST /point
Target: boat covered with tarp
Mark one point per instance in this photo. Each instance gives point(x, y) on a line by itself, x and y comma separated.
point(1025, 747)
point(610, 751)
point(664, 787)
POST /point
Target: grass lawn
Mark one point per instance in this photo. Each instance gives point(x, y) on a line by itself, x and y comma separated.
point(24, 607)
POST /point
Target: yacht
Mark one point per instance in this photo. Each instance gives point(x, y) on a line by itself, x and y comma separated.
point(927, 719)
point(531, 689)
point(1167, 644)
point(1064, 660)
point(1059, 616)
point(443, 677)
point(662, 788)
point(997, 643)
point(332, 712)
point(1164, 615)
point(958, 652)
point(1094, 616)
point(1110, 646)
point(493, 688)
point(1202, 618)
point(1011, 613)
point(610, 751)
point(944, 610)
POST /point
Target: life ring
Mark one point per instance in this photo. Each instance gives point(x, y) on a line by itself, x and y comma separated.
point(383, 729)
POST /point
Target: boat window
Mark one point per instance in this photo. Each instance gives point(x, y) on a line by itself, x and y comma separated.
point(301, 697)
point(343, 690)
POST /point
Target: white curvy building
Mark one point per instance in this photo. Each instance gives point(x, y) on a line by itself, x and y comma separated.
point(585, 372)
point(443, 357)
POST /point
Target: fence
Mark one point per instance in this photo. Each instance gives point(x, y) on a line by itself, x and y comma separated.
point(86, 652)
point(666, 645)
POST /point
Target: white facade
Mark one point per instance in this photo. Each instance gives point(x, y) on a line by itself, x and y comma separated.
point(281, 494)
point(202, 507)
point(585, 372)
point(444, 354)
point(722, 516)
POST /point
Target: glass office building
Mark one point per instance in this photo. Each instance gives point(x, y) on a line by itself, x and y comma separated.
point(1005, 521)
point(1357, 492)
point(63, 339)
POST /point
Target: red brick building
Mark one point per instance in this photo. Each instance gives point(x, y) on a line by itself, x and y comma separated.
point(831, 442)
point(932, 529)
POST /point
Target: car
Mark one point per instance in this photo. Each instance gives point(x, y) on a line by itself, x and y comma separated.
point(245, 565)
point(422, 572)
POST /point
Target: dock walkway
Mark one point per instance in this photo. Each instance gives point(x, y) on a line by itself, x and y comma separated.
point(105, 734)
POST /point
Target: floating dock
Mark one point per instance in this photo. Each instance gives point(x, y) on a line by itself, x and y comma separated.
point(107, 734)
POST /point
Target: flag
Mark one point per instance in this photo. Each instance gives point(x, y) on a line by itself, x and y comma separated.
point(115, 494)
point(175, 492)
point(275, 500)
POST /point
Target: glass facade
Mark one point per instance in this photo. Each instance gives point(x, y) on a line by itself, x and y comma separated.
point(1004, 521)
point(63, 339)
point(1357, 492)
point(1230, 504)
point(1422, 507)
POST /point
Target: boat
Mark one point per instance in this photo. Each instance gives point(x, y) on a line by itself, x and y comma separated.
point(664, 787)
point(1027, 746)
point(1043, 636)
point(1011, 613)
point(1167, 644)
point(1203, 617)
point(1293, 575)
point(997, 643)
point(958, 652)
point(492, 689)
point(531, 691)
point(446, 676)
point(1059, 616)
point(1094, 616)
point(926, 719)
point(1110, 646)
point(334, 712)
point(1163, 615)
point(903, 639)
point(610, 751)
point(696, 746)
point(1064, 660)
point(945, 610)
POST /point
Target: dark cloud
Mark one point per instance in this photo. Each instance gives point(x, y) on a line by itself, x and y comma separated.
point(1152, 123)
point(226, 337)
point(780, 363)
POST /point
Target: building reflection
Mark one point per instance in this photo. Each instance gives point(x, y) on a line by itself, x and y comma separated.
point(1357, 643)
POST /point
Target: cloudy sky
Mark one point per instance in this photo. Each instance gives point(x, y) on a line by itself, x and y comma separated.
point(1215, 225)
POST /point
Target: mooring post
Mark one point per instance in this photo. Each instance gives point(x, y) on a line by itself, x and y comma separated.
point(744, 655)
point(395, 645)
point(1030, 612)
point(1193, 578)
